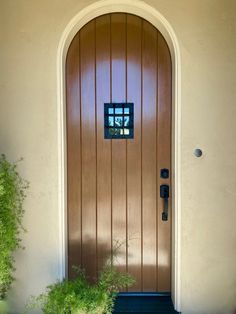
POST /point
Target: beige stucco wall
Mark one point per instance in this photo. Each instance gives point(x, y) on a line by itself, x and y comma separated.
point(30, 34)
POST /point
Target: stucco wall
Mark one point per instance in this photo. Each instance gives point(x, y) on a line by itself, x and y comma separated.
point(30, 33)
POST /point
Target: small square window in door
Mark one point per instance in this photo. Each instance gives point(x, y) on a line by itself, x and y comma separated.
point(118, 120)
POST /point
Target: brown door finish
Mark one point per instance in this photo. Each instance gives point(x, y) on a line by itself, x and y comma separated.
point(114, 184)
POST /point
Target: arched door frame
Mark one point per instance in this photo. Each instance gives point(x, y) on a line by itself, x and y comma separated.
point(149, 13)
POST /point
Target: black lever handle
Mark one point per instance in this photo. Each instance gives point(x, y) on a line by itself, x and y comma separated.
point(164, 193)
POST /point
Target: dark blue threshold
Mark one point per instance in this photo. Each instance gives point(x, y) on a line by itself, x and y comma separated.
point(136, 303)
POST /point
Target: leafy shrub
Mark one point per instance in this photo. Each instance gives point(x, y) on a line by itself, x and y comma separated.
point(78, 296)
point(12, 195)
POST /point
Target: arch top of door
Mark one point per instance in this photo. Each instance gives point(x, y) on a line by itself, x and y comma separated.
point(149, 13)
point(136, 7)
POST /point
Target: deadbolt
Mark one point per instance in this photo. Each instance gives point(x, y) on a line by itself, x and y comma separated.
point(164, 173)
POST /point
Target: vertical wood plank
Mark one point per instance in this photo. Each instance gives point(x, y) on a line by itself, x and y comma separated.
point(103, 145)
point(118, 48)
point(88, 112)
point(149, 66)
point(134, 150)
point(164, 161)
point(73, 156)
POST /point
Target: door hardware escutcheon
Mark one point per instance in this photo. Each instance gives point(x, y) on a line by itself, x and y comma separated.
point(164, 193)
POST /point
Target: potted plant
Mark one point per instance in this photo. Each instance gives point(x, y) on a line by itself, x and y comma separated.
point(78, 296)
point(12, 195)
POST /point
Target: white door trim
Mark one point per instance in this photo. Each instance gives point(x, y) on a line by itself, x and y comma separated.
point(149, 13)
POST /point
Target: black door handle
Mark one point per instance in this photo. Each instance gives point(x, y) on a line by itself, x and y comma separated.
point(164, 193)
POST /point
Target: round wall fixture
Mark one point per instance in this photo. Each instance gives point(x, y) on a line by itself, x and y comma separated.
point(198, 152)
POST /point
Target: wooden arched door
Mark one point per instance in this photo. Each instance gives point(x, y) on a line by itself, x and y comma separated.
point(114, 184)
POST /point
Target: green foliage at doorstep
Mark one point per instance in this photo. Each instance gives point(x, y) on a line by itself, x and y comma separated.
point(78, 296)
point(12, 194)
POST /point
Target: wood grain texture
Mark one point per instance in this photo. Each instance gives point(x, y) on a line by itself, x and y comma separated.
point(88, 129)
point(118, 72)
point(103, 54)
point(113, 185)
point(149, 125)
point(73, 155)
point(134, 222)
point(164, 161)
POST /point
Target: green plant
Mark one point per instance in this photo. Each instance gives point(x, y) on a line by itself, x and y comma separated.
point(78, 296)
point(12, 194)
